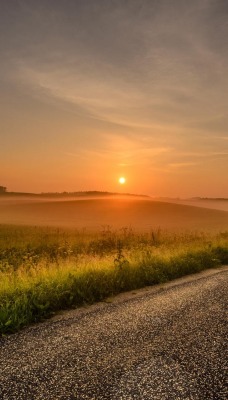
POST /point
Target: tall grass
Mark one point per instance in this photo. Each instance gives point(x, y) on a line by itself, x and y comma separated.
point(43, 270)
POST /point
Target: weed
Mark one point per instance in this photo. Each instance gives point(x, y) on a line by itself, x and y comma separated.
point(120, 261)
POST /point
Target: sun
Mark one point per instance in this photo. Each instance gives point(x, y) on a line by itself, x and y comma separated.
point(122, 180)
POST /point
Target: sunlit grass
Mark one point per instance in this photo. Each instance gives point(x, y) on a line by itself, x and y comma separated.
point(43, 270)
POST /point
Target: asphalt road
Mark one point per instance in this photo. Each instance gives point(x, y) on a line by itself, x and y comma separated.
point(166, 342)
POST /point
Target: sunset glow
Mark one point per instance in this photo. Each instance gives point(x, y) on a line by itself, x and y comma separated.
point(93, 90)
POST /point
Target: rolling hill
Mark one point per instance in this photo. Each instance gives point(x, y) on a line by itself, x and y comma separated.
point(93, 213)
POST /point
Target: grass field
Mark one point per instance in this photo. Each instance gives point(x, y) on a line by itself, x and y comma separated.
point(45, 269)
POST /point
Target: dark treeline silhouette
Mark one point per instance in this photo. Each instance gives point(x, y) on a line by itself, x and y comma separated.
point(88, 193)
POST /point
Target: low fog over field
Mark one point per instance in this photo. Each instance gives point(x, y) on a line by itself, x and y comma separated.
point(93, 213)
point(216, 204)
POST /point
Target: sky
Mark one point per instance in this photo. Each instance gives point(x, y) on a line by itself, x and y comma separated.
point(94, 90)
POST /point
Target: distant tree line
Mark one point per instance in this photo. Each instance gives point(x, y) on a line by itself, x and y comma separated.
point(3, 189)
point(90, 193)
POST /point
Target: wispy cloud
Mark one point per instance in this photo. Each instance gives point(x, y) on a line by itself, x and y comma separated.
point(182, 164)
point(141, 72)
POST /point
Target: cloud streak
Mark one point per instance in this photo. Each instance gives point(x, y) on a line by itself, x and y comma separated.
point(152, 76)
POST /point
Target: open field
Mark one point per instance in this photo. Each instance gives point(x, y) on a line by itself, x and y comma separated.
point(60, 254)
point(92, 214)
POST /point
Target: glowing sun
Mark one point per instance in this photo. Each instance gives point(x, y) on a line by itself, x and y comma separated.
point(122, 180)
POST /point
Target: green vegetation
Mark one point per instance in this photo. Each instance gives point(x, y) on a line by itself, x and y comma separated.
point(43, 270)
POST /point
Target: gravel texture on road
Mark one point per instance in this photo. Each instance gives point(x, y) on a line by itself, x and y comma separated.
point(162, 343)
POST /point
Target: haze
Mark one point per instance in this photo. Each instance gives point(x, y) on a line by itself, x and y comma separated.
point(92, 91)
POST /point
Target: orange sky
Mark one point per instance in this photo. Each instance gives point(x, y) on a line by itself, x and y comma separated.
point(91, 91)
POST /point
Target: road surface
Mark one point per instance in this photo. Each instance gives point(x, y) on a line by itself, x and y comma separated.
point(165, 342)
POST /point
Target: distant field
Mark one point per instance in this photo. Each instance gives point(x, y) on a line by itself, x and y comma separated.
point(141, 214)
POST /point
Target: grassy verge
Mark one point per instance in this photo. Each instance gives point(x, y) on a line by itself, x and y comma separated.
point(45, 270)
